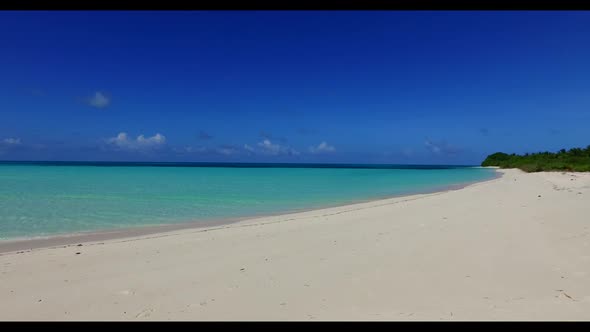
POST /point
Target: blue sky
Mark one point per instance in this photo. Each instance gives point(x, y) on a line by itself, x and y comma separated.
point(278, 86)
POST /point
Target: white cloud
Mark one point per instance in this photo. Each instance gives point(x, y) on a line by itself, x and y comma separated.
point(226, 151)
point(140, 143)
point(248, 148)
point(190, 149)
point(8, 144)
point(321, 148)
point(11, 141)
point(268, 147)
point(154, 140)
point(434, 148)
point(442, 148)
point(99, 100)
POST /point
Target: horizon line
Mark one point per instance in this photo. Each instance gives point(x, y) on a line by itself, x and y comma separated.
point(223, 163)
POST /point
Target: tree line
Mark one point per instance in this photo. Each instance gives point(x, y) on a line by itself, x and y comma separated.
point(576, 160)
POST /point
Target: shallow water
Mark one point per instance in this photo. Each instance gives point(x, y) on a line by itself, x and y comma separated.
point(50, 199)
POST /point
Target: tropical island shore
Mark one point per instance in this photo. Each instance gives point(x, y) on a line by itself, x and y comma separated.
point(513, 248)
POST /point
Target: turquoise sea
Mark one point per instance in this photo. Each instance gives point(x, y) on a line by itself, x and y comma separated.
point(42, 199)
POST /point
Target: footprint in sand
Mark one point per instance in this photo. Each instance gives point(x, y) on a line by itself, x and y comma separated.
point(145, 313)
point(562, 292)
point(127, 292)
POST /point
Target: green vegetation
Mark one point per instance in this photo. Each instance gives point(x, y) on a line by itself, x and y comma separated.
point(576, 159)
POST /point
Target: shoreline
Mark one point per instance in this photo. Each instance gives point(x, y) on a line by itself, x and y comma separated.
point(511, 248)
point(27, 244)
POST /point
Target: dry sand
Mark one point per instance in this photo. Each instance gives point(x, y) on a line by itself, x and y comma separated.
point(514, 248)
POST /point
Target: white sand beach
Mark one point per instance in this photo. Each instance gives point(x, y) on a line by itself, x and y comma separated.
point(513, 248)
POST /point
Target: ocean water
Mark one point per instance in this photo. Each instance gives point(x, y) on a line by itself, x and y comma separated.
point(43, 199)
